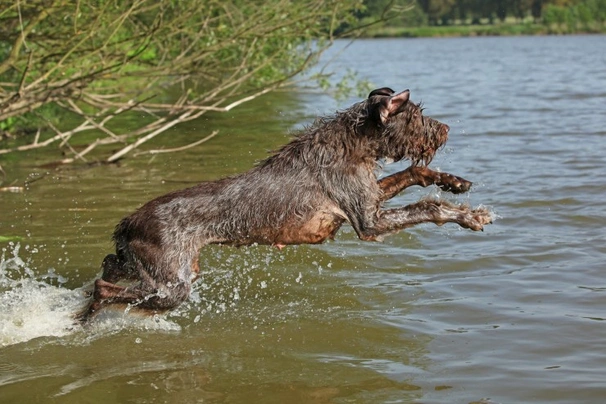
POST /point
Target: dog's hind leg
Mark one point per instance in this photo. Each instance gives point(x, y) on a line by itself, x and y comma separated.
point(154, 300)
point(104, 294)
point(116, 269)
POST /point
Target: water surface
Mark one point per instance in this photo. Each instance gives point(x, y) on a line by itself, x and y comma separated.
point(432, 315)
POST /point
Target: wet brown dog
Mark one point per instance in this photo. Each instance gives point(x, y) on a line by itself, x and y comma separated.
point(301, 194)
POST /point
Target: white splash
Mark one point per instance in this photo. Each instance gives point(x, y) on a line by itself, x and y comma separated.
point(32, 308)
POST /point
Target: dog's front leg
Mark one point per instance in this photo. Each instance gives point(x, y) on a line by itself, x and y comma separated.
point(428, 211)
point(422, 176)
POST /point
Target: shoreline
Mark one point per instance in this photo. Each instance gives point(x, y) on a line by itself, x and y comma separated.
point(448, 31)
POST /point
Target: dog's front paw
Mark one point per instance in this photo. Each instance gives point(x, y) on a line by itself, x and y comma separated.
point(477, 218)
point(452, 183)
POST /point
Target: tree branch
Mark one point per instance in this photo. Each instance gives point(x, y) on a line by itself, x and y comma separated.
point(20, 40)
point(178, 149)
point(171, 62)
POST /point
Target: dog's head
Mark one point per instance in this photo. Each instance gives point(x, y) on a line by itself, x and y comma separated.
point(401, 130)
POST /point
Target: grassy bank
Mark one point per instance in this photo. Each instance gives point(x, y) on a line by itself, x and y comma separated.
point(477, 30)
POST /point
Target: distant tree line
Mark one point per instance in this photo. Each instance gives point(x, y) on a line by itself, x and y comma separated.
point(574, 14)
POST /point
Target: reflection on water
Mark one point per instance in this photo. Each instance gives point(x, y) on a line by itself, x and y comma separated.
point(432, 315)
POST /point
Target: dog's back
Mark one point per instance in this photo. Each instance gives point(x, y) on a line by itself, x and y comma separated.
point(249, 208)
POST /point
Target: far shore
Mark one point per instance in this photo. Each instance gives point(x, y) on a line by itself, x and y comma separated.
point(502, 29)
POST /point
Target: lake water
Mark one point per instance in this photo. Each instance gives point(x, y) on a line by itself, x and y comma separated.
point(515, 314)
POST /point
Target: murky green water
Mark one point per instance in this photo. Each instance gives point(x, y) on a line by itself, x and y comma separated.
point(432, 315)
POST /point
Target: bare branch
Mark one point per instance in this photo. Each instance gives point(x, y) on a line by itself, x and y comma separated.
point(178, 149)
point(169, 62)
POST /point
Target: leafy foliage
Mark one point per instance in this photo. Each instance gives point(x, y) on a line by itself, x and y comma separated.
point(101, 58)
point(587, 16)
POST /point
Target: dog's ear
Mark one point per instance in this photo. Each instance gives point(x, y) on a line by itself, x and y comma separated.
point(393, 105)
point(381, 91)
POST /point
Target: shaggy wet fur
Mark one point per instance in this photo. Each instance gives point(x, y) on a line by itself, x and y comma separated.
point(303, 193)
